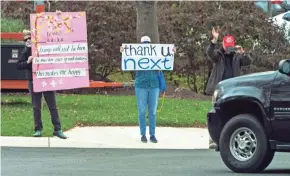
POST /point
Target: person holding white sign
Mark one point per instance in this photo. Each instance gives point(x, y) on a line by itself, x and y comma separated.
point(25, 63)
point(147, 91)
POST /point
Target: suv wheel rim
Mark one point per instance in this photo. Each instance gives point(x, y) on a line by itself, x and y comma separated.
point(243, 144)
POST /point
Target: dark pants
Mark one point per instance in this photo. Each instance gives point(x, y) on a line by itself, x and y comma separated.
point(50, 98)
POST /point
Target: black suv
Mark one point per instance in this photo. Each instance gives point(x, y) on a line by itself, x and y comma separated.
point(250, 118)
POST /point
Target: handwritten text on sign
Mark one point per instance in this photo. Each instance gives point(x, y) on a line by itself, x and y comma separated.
point(147, 57)
point(59, 50)
point(60, 59)
point(61, 73)
point(63, 48)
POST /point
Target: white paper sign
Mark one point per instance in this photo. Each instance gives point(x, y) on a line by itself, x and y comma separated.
point(63, 48)
point(147, 57)
point(60, 59)
point(72, 72)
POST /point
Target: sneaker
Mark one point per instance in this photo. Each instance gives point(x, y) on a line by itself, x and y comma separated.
point(212, 145)
point(153, 139)
point(37, 133)
point(59, 134)
point(143, 138)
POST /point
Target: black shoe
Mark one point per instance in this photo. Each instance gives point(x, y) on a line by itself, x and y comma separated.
point(143, 138)
point(153, 139)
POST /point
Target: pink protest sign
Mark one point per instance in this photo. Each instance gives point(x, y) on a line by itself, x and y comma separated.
point(60, 51)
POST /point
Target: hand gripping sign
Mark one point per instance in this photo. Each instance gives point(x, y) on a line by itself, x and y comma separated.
point(147, 57)
point(60, 51)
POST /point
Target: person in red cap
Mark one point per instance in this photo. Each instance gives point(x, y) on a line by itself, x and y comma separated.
point(228, 60)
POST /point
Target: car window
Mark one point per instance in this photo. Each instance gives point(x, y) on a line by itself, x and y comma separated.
point(286, 17)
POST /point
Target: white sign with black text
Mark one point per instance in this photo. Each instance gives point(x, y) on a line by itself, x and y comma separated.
point(147, 57)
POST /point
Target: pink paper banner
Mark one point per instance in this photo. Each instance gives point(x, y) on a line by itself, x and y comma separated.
point(60, 51)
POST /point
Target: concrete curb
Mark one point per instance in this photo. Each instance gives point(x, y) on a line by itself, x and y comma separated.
point(105, 137)
point(52, 142)
point(7, 141)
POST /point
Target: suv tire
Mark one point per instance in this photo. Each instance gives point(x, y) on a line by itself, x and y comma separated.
point(241, 134)
point(269, 157)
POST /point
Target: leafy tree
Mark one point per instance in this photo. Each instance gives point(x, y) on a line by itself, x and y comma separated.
point(189, 24)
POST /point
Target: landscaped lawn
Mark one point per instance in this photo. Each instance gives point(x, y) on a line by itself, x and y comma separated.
point(11, 25)
point(96, 110)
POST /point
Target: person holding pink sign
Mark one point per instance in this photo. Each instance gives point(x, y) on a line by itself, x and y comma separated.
point(25, 63)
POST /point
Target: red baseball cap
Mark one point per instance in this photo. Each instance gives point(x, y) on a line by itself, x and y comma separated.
point(229, 41)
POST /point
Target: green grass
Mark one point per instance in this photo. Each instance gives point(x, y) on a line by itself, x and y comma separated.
point(97, 110)
point(181, 80)
point(11, 25)
point(121, 77)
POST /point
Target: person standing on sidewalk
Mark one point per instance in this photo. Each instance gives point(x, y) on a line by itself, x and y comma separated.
point(227, 60)
point(25, 63)
point(147, 93)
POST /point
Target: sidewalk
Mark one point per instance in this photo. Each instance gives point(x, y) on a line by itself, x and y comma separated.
point(117, 137)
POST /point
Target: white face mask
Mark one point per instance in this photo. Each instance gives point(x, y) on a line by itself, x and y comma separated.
point(28, 43)
point(27, 40)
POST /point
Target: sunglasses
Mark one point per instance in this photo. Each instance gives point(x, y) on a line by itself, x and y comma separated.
point(28, 38)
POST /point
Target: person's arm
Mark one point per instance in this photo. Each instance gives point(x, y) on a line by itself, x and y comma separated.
point(211, 52)
point(246, 60)
point(23, 60)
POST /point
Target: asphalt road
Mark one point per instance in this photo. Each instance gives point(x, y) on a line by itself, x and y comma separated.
point(125, 162)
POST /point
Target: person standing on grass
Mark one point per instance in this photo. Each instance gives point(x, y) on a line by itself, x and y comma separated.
point(147, 93)
point(25, 63)
point(227, 60)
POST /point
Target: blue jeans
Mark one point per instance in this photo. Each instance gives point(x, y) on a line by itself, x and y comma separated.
point(147, 96)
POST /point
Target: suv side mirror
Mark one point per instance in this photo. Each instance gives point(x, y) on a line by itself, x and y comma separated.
point(286, 17)
point(284, 67)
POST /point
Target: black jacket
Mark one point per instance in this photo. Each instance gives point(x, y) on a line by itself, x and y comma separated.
point(22, 62)
point(218, 58)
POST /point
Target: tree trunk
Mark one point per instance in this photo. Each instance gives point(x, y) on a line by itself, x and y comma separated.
point(147, 20)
